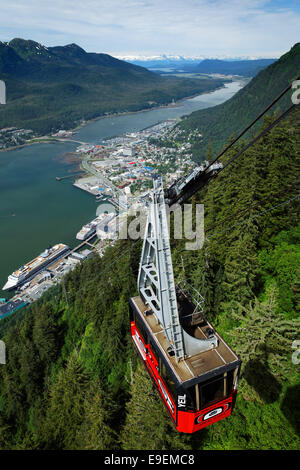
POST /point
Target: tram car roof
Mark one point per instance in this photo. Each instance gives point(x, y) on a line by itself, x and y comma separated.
point(193, 369)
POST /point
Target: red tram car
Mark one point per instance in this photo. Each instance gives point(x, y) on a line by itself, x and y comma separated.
point(196, 391)
point(193, 369)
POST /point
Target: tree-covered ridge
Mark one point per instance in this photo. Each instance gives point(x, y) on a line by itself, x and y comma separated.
point(73, 379)
point(219, 123)
point(246, 68)
point(50, 88)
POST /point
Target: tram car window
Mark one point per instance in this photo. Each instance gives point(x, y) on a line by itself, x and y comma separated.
point(169, 382)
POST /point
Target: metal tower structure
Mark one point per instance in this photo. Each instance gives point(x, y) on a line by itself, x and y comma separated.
point(156, 279)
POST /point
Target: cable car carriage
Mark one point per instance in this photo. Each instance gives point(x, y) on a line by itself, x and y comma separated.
point(193, 369)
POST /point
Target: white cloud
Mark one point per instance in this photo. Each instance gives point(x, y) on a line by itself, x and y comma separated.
point(191, 27)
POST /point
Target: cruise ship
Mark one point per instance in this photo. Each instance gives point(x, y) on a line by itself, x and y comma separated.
point(29, 270)
point(90, 228)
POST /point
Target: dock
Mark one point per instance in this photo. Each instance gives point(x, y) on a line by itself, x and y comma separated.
point(51, 275)
point(74, 175)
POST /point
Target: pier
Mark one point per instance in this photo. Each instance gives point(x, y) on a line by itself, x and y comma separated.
point(74, 175)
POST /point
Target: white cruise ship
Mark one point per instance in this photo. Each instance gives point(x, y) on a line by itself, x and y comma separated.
point(90, 228)
point(29, 270)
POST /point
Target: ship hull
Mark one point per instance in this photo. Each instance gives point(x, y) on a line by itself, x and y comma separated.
point(95, 223)
point(10, 285)
point(87, 235)
point(13, 284)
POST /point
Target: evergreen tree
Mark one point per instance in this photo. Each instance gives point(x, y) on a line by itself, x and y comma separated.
point(263, 341)
point(66, 406)
point(95, 432)
point(146, 419)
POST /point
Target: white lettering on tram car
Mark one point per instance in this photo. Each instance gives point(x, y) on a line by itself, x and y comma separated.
point(212, 413)
point(181, 400)
point(164, 392)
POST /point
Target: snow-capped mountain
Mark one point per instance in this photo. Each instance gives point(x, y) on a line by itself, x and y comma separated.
point(181, 58)
point(161, 57)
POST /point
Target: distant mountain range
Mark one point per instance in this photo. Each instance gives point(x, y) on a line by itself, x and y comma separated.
point(228, 66)
point(50, 88)
point(219, 123)
point(161, 61)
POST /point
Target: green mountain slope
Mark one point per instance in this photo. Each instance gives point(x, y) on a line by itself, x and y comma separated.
point(217, 124)
point(72, 378)
point(56, 87)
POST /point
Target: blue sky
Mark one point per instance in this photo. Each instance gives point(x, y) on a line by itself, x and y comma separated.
point(209, 28)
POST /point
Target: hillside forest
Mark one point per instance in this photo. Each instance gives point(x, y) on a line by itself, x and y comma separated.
point(73, 379)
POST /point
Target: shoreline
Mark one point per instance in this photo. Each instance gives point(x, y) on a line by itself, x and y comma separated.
point(125, 113)
point(16, 147)
point(145, 110)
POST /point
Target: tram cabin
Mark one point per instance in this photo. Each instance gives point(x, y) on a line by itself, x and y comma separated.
point(197, 390)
